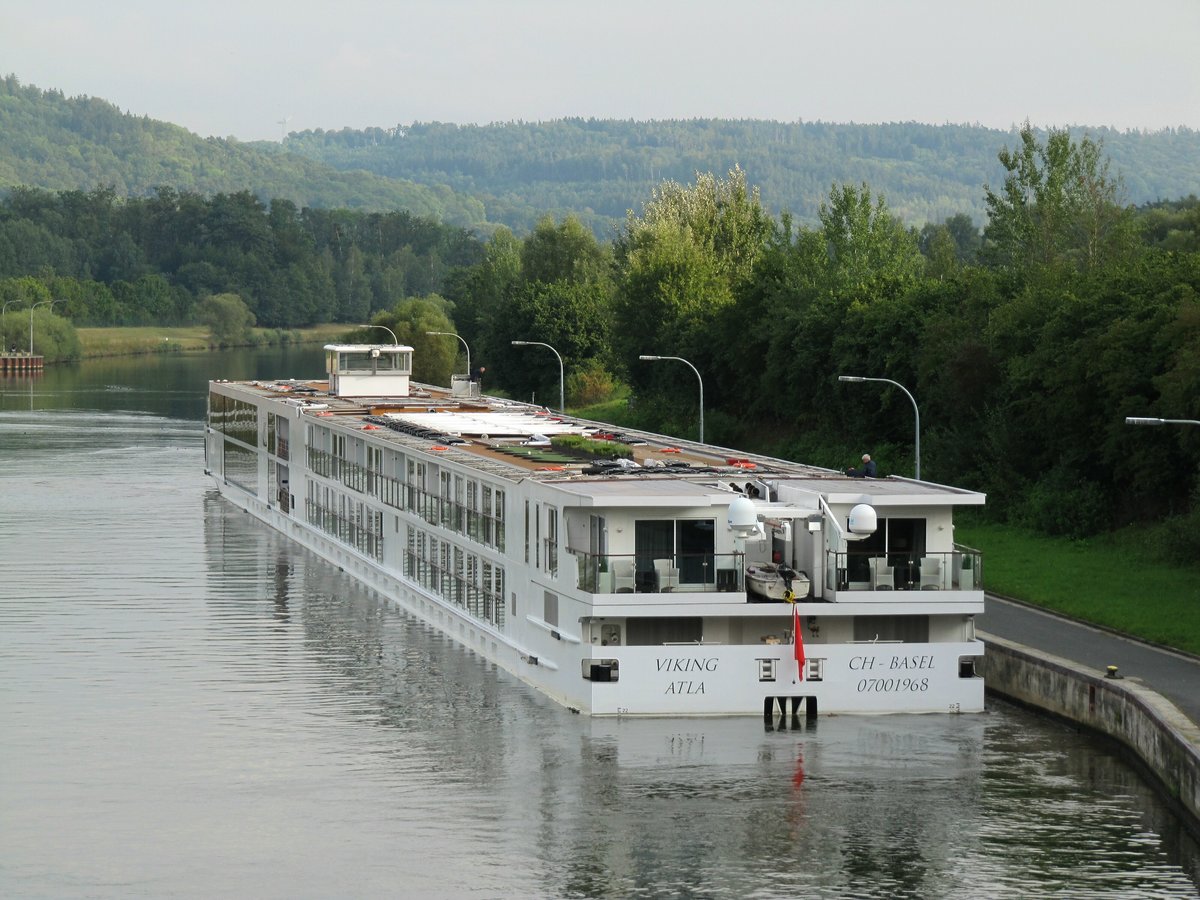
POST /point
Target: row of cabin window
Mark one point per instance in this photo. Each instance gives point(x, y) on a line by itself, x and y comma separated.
point(456, 574)
point(480, 518)
point(351, 521)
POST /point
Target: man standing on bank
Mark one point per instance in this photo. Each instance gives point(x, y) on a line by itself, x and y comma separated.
point(867, 470)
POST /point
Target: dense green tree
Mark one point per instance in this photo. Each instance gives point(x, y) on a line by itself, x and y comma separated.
point(941, 253)
point(411, 320)
point(566, 252)
point(228, 318)
point(1059, 206)
point(868, 247)
point(573, 317)
point(1172, 225)
point(479, 293)
point(680, 266)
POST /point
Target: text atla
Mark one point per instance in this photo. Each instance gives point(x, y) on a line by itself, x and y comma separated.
point(685, 664)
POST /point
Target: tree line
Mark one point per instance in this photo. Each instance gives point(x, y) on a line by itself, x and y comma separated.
point(152, 260)
point(1025, 342)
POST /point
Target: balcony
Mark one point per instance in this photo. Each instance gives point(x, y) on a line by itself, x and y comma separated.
point(638, 573)
point(958, 570)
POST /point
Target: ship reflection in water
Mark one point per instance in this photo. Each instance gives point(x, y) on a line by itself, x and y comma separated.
point(194, 706)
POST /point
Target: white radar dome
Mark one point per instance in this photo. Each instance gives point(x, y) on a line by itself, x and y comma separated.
point(743, 518)
point(862, 520)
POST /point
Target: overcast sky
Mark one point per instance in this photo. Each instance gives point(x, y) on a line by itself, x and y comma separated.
point(239, 68)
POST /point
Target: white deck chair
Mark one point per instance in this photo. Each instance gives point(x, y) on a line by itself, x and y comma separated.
point(883, 576)
point(931, 573)
point(623, 576)
point(668, 575)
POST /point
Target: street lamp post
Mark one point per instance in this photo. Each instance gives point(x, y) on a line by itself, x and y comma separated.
point(465, 347)
point(562, 394)
point(3, 310)
point(1144, 420)
point(698, 378)
point(49, 303)
point(916, 413)
point(385, 328)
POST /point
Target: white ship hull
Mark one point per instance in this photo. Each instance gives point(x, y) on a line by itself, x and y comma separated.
point(553, 587)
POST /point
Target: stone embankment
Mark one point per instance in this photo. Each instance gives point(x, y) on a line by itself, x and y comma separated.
point(1165, 740)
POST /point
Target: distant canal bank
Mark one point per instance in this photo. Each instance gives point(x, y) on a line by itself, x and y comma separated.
point(152, 339)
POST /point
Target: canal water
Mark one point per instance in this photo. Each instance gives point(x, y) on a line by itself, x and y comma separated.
point(192, 707)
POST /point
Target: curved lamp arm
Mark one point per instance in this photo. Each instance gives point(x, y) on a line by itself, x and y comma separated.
point(464, 343)
point(698, 378)
point(562, 406)
point(916, 412)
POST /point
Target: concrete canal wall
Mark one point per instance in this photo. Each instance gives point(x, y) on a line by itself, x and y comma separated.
point(1166, 740)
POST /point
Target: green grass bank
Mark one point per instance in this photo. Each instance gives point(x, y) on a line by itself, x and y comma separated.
point(135, 341)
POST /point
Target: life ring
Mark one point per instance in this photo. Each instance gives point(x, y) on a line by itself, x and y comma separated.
point(671, 450)
point(438, 447)
point(744, 464)
point(370, 427)
point(551, 469)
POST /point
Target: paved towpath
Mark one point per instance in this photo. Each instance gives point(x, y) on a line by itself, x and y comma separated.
point(1175, 676)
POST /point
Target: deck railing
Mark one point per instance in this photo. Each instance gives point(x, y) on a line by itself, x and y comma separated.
point(856, 570)
point(637, 573)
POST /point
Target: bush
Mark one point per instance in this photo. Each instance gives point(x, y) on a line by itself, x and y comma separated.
point(1063, 505)
point(579, 444)
point(591, 383)
point(228, 319)
point(1180, 535)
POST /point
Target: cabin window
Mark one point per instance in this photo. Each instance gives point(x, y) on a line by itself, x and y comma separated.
point(240, 466)
point(498, 504)
point(485, 536)
point(689, 544)
point(496, 601)
point(601, 669)
point(236, 418)
point(552, 540)
point(460, 576)
point(902, 541)
point(550, 612)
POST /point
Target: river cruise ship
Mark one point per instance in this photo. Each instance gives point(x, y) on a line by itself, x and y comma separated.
point(619, 573)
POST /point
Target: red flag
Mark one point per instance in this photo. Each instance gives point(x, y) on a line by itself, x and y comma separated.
point(798, 640)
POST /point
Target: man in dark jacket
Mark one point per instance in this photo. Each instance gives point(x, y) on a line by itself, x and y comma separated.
point(866, 471)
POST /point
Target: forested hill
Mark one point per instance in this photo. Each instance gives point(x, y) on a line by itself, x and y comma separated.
point(51, 141)
point(598, 169)
point(515, 173)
